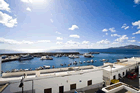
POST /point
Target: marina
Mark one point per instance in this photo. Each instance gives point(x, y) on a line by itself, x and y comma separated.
point(63, 61)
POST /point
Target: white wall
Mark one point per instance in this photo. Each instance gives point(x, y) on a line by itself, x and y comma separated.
point(116, 72)
point(55, 82)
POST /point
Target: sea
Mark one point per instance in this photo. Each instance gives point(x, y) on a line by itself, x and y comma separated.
point(111, 54)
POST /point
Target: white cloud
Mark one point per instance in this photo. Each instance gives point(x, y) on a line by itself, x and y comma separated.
point(11, 41)
point(103, 42)
point(28, 9)
point(27, 1)
point(73, 27)
point(85, 42)
point(125, 26)
point(122, 38)
point(75, 36)
point(138, 32)
point(136, 1)
point(115, 43)
point(59, 43)
point(113, 35)
point(43, 41)
point(57, 32)
point(59, 38)
point(4, 6)
point(7, 20)
point(51, 20)
point(137, 23)
point(112, 29)
point(71, 42)
point(131, 40)
point(133, 37)
point(106, 33)
point(104, 30)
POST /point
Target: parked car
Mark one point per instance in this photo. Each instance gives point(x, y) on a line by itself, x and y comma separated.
point(132, 75)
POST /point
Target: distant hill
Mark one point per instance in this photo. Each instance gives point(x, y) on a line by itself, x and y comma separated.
point(126, 47)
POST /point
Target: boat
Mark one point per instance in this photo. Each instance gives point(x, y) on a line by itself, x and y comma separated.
point(75, 63)
point(80, 62)
point(88, 61)
point(14, 70)
point(58, 55)
point(53, 66)
point(95, 60)
point(46, 67)
point(68, 65)
point(73, 56)
point(88, 55)
point(26, 69)
point(92, 60)
point(84, 61)
point(46, 58)
point(39, 68)
point(25, 57)
point(61, 64)
point(102, 60)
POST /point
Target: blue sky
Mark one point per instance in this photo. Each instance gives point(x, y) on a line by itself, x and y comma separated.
point(68, 24)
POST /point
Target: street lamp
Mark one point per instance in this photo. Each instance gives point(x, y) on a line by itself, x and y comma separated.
point(21, 85)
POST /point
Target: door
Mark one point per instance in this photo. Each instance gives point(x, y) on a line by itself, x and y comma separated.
point(114, 77)
point(72, 86)
point(61, 89)
point(49, 90)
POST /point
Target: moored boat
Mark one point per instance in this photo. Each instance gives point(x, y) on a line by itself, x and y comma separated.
point(25, 57)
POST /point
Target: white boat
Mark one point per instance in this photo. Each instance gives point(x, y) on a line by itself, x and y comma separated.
point(88, 55)
point(92, 60)
point(14, 70)
point(73, 56)
point(46, 58)
point(75, 62)
point(88, 61)
point(26, 57)
point(46, 67)
point(84, 61)
point(39, 68)
point(26, 69)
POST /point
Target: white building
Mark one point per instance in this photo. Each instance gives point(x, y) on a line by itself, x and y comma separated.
point(57, 82)
point(119, 69)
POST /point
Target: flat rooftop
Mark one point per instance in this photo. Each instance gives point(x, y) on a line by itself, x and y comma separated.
point(44, 73)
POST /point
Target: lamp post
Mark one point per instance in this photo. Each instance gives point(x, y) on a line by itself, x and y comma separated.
point(21, 85)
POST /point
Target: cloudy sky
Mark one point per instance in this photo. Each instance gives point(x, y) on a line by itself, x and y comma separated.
point(68, 24)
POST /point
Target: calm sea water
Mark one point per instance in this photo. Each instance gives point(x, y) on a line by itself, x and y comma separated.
point(111, 54)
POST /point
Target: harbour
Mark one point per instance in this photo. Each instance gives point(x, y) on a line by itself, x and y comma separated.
point(64, 60)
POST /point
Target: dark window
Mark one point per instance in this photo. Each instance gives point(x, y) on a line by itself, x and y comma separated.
point(123, 73)
point(119, 75)
point(126, 71)
point(72, 86)
point(114, 77)
point(61, 89)
point(89, 82)
point(49, 90)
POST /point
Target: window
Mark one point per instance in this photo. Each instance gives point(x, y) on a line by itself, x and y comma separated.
point(72, 86)
point(114, 77)
point(61, 89)
point(49, 90)
point(119, 75)
point(89, 82)
point(123, 73)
